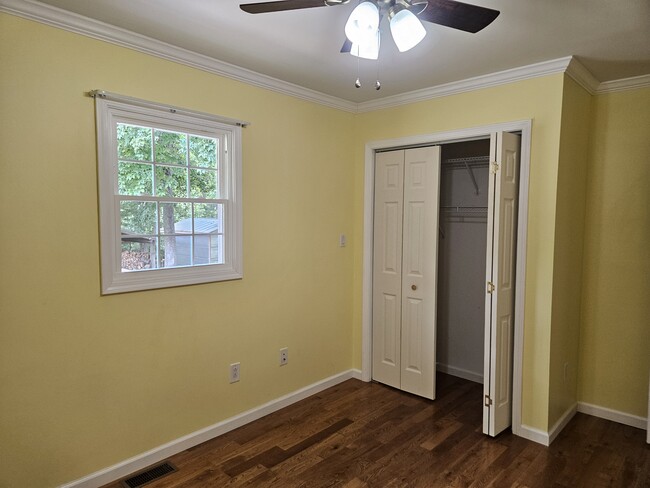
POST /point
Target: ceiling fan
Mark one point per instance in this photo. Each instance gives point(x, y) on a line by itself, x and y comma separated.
point(405, 16)
point(450, 13)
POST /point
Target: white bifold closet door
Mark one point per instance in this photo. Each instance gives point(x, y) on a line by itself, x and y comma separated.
point(500, 289)
point(407, 189)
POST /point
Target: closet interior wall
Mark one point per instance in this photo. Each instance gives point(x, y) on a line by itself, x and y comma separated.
point(461, 258)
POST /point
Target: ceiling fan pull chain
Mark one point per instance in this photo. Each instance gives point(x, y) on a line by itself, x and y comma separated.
point(377, 83)
point(358, 82)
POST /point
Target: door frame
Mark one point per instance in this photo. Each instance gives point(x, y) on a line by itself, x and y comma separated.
point(524, 127)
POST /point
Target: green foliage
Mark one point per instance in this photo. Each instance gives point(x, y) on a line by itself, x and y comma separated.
point(171, 153)
point(133, 142)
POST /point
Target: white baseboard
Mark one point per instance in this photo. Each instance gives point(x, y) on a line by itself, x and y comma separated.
point(542, 437)
point(160, 453)
point(613, 415)
point(545, 438)
point(561, 423)
point(533, 434)
point(460, 372)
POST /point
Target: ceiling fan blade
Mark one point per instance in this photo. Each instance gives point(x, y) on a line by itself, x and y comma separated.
point(264, 7)
point(458, 15)
point(347, 46)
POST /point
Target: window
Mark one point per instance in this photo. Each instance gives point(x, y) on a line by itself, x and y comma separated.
point(169, 195)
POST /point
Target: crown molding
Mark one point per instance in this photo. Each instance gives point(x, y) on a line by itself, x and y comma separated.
point(624, 84)
point(582, 76)
point(544, 68)
point(56, 17)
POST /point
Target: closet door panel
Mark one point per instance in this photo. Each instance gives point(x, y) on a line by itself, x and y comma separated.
point(420, 244)
point(412, 359)
point(387, 267)
point(500, 313)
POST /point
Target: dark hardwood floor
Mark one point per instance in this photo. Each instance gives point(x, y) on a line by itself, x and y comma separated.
point(368, 435)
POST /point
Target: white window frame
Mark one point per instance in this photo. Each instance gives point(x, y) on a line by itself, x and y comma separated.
point(112, 109)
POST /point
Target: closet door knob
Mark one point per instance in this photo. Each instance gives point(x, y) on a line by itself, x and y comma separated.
point(413, 287)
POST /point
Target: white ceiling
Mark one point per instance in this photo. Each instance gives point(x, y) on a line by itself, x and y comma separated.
point(611, 39)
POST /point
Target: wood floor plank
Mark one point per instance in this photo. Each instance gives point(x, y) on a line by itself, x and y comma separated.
point(366, 435)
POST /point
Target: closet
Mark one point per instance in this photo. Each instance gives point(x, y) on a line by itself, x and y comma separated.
point(462, 246)
point(444, 230)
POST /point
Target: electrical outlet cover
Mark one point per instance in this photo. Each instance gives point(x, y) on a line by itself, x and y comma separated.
point(234, 372)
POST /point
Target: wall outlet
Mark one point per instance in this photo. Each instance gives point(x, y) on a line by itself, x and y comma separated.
point(284, 356)
point(234, 372)
point(342, 240)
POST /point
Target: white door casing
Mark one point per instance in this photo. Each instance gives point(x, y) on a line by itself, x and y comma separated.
point(407, 185)
point(500, 286)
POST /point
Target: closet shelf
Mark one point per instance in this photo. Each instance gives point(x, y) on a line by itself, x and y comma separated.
point(460, 163)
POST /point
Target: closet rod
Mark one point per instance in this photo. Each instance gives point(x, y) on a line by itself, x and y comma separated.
point(469, 160)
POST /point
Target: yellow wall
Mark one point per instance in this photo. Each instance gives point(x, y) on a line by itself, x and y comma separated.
point(569, 239)
point(538, 99)
point(88, 381)
point(615, 329)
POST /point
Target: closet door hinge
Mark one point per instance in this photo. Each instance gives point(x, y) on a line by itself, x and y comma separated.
point(490, 287)
point(494, 167)
point(488, 401)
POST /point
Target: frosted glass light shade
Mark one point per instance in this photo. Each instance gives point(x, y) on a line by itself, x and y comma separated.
point(407, 30)
point(363, 22)
point(367, 49)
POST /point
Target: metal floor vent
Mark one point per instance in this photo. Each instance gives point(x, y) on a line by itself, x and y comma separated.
point(152, 474)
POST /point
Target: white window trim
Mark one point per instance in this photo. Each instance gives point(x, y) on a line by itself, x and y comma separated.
point(109, 109)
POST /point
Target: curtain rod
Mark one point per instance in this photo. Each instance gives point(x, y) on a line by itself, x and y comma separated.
point(167, 108)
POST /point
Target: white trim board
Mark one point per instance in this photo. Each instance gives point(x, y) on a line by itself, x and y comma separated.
point(533, 434)
point(63, 19)
point(536, 70)
point(523, 126)
point(160, 453)
point(613, 415)
point(546, 438)
point(561, 423)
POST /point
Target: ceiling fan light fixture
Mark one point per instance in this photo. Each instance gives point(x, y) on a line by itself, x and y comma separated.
point(363, 22)
point(406, 28)
point(368, 48)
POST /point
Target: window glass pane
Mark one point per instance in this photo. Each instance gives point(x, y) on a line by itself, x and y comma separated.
point(208, 249)
point(175, 251)
point(171, 147)
point(137, 217)
point(138, 253)
point(133, 142)
point(171, 182)
point(216, 249)
point(175, 218)
point(203, 151)
point(202, 249)
point(203, 183)
point(208, 218)
point(135, 179)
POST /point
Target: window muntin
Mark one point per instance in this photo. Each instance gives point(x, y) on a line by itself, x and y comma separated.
point(184, 229)
point(170, 204)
